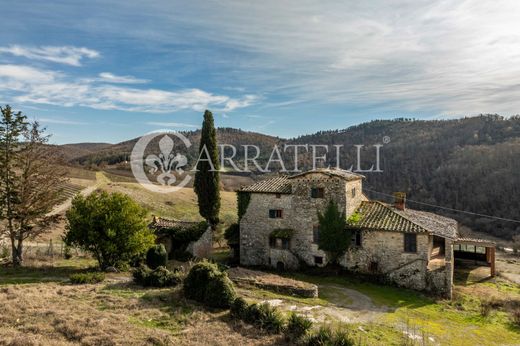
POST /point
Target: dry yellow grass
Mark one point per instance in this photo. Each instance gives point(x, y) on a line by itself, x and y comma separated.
point(181, 204)
point(114, 313)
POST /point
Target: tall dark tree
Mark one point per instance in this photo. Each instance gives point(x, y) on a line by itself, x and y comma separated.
point(334, 237)
point(30, 181)
point(207, 177)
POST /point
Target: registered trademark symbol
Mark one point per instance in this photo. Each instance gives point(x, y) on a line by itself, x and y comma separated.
point(386, 139)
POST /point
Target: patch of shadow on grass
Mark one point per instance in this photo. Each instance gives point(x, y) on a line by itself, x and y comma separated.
point(31, 275)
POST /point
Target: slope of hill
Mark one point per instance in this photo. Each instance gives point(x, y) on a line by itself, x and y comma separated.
point(120, 152)
point(75, 150)
point(469, 164)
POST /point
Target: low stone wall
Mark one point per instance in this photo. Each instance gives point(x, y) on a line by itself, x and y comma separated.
point(272, 282)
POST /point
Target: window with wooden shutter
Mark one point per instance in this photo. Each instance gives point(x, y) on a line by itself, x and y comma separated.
point(275, 213)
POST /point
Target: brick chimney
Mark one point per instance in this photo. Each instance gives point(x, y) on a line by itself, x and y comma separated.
point(400, 200)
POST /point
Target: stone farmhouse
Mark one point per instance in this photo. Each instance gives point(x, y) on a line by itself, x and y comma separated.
point(410, 248)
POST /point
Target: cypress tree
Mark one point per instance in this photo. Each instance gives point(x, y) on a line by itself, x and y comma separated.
point(207, 178)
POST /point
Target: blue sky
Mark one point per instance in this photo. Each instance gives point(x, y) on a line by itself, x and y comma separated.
point(102, 71)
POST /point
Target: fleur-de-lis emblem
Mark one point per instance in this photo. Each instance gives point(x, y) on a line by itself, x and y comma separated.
point(165, 162)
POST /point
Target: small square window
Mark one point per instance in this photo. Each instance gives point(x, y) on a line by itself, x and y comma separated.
point(318, 260)
point(278, 195)
point(317, 192)
point(275, 213)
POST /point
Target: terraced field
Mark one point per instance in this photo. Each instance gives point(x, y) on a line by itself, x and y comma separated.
point(70, 190)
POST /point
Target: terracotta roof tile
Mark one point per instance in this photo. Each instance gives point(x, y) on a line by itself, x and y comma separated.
point(274, 185)
point(159, 222)
point(376, 215)
point(332, 172)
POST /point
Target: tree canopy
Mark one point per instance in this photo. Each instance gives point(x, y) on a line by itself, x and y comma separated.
point(110, 226)
point(334, 237)
point(31, 180)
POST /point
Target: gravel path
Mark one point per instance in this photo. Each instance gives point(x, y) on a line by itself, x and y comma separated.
point(345, 305)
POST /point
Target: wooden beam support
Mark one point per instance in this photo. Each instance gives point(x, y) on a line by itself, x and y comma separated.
point(492, 264)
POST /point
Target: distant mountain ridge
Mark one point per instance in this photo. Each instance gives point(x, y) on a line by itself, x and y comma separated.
point(470, 164)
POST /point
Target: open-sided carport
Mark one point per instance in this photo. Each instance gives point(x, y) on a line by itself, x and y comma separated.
point(478, 250)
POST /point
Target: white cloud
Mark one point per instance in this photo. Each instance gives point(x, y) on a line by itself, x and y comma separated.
point(60, 121)
point(68, 55)
point(112, 78)
point(31, 85)
point(170, 124)
point(458, 57)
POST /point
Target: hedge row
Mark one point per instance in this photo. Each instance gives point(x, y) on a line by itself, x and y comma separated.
point(159, 277)
point(297, 329)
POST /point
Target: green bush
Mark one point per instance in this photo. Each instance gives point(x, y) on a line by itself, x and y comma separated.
point(264, 316)
point(238, 308)
point(140, 274)
point(342, 338)
point(159, 277)
point(252, 314)
point(219, 292)
point(297, 327)
point(87, 278)
point(270, 319)
point(156, 256)
point(112, 227)
point(206, 284)
point(325, 336)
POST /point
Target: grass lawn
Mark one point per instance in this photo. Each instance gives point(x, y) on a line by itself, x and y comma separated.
point(456, 322)
point(56, 271)
point(39, 307)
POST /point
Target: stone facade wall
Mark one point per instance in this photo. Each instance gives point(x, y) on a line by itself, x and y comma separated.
point(284, 256)
point(387, 250)
point(354, 193)
point(300, 213)
point(439, 279)
point(203, 246)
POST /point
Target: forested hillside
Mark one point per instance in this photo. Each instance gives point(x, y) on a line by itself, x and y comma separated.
point(471, 164)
